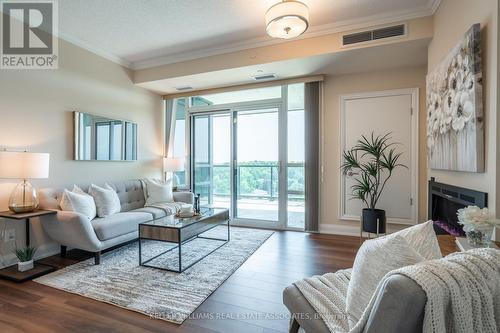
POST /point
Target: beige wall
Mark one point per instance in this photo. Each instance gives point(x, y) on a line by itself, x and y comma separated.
point(334, 87)
point(35, 109)
point(451, 21)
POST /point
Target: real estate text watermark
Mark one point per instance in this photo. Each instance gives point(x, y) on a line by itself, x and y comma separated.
point(29, 34)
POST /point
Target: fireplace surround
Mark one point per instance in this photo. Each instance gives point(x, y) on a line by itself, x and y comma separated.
point(445, 200)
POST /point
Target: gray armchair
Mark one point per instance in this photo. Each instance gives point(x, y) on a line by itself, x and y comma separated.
point(399, 307)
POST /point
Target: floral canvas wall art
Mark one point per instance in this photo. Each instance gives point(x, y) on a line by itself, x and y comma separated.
point(455, 123)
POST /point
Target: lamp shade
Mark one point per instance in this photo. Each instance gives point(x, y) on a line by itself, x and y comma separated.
point(172, 164)
point(287, 19)
point(19, 165)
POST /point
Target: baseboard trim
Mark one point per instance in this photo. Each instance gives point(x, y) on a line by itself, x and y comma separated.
point(339, 229)
point(353, 230)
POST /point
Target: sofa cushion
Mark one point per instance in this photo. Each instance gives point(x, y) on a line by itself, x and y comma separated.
point(131, 194)
point(118, 224)
point(158, 192)
point(78, 201)
point(422, 238)
point(156, 212)
point(374, 260)
point(106, 200)
point(50, 198)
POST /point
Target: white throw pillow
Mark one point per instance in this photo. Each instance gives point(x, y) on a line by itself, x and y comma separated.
point(374, 260)
point(79, 202)
point(158, 192)
point(422, 238)
point(76, 189)
point(106, 200)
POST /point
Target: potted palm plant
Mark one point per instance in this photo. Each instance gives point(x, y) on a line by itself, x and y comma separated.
point(371, 162)
point(25, 257)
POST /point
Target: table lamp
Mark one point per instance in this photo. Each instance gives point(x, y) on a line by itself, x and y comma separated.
point(23, 165)
point(173, 164)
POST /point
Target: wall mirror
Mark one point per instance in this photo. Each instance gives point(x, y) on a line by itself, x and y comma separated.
point(98, 138)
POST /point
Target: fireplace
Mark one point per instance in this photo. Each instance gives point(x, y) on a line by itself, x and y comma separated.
point(445, 200)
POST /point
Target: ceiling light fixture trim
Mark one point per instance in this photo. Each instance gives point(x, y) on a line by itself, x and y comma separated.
point(287, 19)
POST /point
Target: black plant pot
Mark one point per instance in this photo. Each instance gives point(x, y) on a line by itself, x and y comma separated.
point(370, 218)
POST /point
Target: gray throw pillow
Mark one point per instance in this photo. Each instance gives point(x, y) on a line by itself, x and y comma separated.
point(374, 260)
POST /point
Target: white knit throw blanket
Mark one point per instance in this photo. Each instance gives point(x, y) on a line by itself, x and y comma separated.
point(462, 289)
point(170, 208)
point(463, 293)
point(327, 294)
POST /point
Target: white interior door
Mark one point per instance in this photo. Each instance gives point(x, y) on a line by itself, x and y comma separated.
point(384, 112)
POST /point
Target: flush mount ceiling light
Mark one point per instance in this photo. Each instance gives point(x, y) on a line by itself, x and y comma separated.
point(287, 19)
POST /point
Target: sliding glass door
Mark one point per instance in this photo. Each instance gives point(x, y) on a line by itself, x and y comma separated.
point(257, 167)
point(248, 155)
point(212, 158)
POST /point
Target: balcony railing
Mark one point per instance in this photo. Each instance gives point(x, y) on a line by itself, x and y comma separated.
point(254, 181)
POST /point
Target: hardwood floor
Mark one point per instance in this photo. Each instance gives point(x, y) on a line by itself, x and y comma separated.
point(249, 301)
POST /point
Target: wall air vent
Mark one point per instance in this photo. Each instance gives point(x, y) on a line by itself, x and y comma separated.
point(397, 30)
point(264, 77)
point(358, 37)
point(183, 88)
point(372, 35)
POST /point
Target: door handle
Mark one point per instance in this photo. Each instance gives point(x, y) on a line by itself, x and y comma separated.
point(350, 173)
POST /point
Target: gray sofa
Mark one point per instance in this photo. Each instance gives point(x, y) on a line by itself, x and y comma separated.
point(399, 307)
point(74, 230)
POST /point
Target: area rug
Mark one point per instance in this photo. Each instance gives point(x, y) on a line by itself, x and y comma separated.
point(119, 280)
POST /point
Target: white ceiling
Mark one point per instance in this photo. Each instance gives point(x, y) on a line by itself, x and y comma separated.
point(397, 55)
point(144, 33)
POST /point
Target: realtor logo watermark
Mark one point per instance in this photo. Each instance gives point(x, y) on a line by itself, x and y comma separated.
point(29, 34)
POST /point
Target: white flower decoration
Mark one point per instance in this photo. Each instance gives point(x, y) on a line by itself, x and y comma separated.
point(463, 111)
point(452, 81)
point(449, 102)
point(469, 82)
point(475, 218)
point(434, 122)
point(430, 142)
point(466, 63)
point(444, 123)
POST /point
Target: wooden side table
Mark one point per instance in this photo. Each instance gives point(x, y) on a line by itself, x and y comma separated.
point(11, 272)
point(447, 244)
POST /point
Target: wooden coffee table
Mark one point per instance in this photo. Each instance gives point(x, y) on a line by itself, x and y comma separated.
point(180, 231)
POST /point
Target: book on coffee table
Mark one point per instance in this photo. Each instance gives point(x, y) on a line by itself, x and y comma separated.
point(464, 245)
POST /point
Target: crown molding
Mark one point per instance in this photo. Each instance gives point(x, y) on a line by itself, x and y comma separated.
point(87, 46)
point(434, 5)
point(314, 31)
